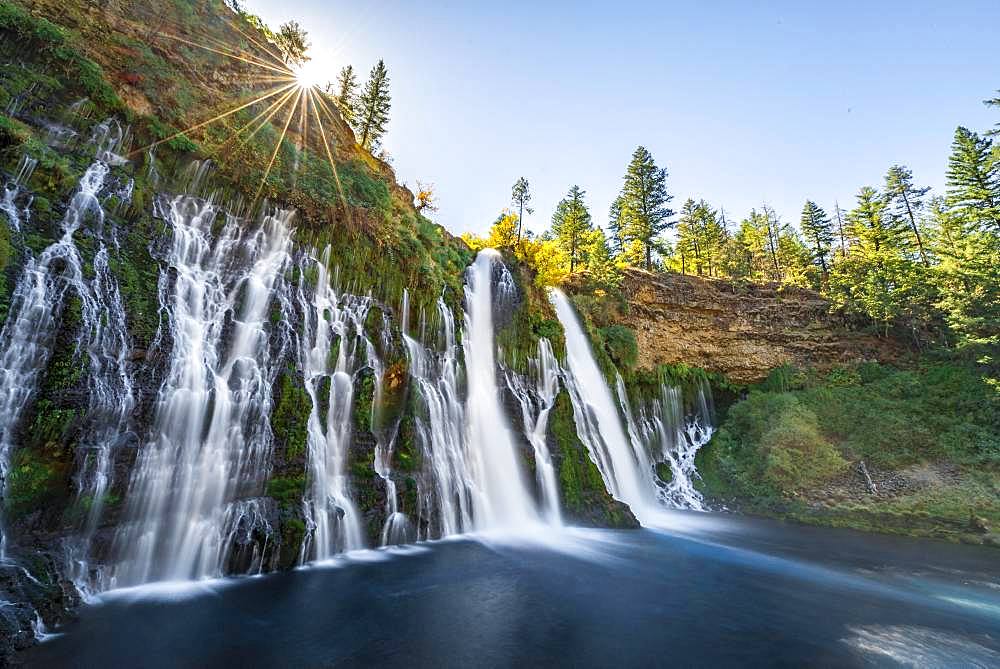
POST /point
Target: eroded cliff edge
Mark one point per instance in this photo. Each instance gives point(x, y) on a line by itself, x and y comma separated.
point(742, 331)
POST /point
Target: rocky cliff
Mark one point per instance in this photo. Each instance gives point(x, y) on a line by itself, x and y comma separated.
point(740, 330)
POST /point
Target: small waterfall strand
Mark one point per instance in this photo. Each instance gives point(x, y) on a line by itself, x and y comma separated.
point(333, 335)
point(445, 484)
point(36, 307)
point(536, 394)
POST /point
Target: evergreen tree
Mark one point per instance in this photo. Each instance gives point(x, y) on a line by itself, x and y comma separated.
point(906, 201)
point(642, 207)
point(571, 223)
point(871, 225)
point(815, 225)
point(616, 242)
point(346, 94)
point(879, 278)
point(773, 229)
point(700, 238)
point(796, 260)
point(993, 102)
point(373, 108)
point(597, 255)
point(967, 276)
point(840, 228)
point(753, 257)
point(521, 196)
point(293, 43)
point(973, 178)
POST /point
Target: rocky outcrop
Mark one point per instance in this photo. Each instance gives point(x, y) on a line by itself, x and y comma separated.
point(740, 330)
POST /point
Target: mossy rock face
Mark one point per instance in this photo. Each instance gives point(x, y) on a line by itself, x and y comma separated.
point(408, 456)
point(37, 480)
point(581, 488)
point(290, 416)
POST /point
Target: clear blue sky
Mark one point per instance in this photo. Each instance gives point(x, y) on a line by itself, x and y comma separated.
point(742, 105)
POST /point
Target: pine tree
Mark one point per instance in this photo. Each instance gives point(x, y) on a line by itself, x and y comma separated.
point(597, 255)
point(616, 242)
point(815, 225)
point(797, 265)
point(373, 108)
point(840, 228)
point(643, 212)
point(871, 224)
point(571, 222)
point(879, 278)
point(521, 196)
point(966, 275)
point(973, 178)
point(906, 201)
point(346, 94)
point(293, 42)
point(993, 102)
point(773, 228)
point(700, 238)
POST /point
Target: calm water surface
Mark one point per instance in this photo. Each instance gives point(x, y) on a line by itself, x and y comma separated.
point(709, 591)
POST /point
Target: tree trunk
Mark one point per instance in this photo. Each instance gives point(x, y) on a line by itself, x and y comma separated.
point(520, 220)
point(916, 232)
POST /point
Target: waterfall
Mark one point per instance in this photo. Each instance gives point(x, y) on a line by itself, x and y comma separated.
point(397, 528)
point(210, 446)
point(439, 424)
point(537, 396)
point(8, 205)
point(672, 439)
point(36, 306)
point(627, 455)
point(112, 398)
point(501, 498)
point(333, 332)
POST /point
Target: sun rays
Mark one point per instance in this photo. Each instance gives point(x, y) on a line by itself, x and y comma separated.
point(287, 97)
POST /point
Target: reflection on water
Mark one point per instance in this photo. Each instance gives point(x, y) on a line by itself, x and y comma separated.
point(706, 590)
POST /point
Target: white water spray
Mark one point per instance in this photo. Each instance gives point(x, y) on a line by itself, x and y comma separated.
point(333, 523)
point(537, 395)
point(211, 441)
point(627, 459)
point(501, 498)
point(36, 307)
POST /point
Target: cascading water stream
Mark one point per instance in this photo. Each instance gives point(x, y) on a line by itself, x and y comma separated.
point(500, 496)
point(209, 450)
point(397, 528)
point(627, 455)
point(36, 307)
point(112, 398)
point(537, 396)
point(671, 439)
point(446, 486)
point(333, 523)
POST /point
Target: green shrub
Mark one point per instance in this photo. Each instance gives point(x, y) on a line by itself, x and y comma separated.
point(620, 344)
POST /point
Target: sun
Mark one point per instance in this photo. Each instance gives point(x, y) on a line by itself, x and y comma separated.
point(310, 74)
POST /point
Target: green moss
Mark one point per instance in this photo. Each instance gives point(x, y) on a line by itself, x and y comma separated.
point(6, 255)
point(364, 397)
point(533, 318)
point(293, 531)
point(51, 424)
point(49, 44)
point(287, 490)
point(290, 416)
point(581, 486)
point(408, 456)
point(36, 479)
point(620, 345)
